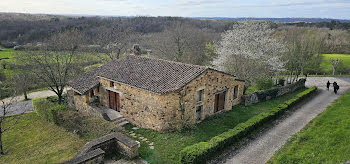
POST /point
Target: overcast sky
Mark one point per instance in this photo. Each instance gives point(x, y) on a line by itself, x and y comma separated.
point(188, 8)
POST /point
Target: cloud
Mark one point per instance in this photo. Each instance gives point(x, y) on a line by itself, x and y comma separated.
point(189, 8)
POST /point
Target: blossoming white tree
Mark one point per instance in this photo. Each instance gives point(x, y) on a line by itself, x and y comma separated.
point(249, 51)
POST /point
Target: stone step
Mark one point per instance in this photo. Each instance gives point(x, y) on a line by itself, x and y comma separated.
point(123, 123)
point(112, 115)
point(119, 120)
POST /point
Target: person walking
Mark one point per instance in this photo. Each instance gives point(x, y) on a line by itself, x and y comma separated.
point(328, 84)
point(335, 86)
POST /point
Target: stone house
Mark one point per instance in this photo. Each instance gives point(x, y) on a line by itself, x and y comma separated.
point(157, 94)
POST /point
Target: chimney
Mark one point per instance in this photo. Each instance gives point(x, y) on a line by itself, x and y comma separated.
point(136, 50)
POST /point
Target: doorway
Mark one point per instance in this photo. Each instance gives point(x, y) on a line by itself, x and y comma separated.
point(219, 104)
point(114, 102)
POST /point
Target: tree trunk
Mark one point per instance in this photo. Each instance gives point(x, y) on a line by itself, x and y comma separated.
point(1, 149)
point(59, 98)
point(333, 70)
point(25, 95)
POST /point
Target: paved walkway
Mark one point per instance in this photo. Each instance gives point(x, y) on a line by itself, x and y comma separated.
point(33, 95)
point(261, 149)
point(18, 107)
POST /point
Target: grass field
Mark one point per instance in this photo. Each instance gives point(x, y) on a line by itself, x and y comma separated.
point(168, 145)
point(324, 140)
point(326, 65)
point(34, 140)
point(7, 53)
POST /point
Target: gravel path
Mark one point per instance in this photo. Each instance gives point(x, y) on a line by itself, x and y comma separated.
point(261, 149)
point(32, 95)
point(18, 107)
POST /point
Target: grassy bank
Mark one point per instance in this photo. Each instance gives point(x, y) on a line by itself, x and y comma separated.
point(34, 140)
point(326, 65)
point(168, 145)
point(324, 140)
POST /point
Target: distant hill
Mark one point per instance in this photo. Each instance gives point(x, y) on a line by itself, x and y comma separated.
point(4, 15)
point(283, 20)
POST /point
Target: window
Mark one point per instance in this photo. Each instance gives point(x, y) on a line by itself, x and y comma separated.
point(199, 95)
point(111, 84)
point(235, 92)
point(92, 93)
point(199, 113)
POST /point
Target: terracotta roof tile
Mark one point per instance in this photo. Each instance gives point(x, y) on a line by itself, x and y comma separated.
point(155, 75)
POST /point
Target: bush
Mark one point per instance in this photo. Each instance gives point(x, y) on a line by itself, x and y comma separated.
point(264, 83)
point(47, 110)
point(88, 127)
point(201, 152)
point(281, 81)
point(54, 99)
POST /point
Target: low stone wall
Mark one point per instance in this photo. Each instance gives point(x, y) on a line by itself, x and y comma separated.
point(256, 97)
point(77, 102)
point(94, 156)
point(94, 151)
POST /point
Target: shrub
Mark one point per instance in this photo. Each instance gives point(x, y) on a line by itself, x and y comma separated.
point(47, 109)
point(264, 83)
point(281, 81)
point(54, 99)
point(88, 127)
point(201, 152)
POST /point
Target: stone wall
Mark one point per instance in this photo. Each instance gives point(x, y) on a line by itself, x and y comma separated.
point(80, 102)
point(94, 151)
point(256, 97)
point(211, 83)
point(143, 108)
point(95, 156)
point(162, 112)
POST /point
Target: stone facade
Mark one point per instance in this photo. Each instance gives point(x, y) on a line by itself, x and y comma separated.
point(81, 103)
point(169, 111)
point(210, 83)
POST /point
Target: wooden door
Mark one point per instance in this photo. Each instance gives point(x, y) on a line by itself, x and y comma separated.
point(114, 102)
point(216, 103)
point(219, 102)
point(222, 101)
point(111, 100)
point(117, 102)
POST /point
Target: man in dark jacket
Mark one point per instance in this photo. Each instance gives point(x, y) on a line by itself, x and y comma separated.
point(328, 84)
point(335, 87)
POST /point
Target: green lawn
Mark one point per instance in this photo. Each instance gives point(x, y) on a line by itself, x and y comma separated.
point(326, 65)
point(324, 140)
point(168, 145)
point(34, 140)
point(7, 52)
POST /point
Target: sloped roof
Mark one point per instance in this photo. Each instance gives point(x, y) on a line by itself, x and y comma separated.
point(155, 75)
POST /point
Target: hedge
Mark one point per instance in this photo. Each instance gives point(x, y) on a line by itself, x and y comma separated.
point(47, 109)
point(201, 152)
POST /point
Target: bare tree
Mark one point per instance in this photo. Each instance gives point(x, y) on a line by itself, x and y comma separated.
point(249, 51)
point(115, 41)
point(22, 82)
point(57, 62)
point(303, 48)
point(335, 63)
point(182, 43)
point(8, 118)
